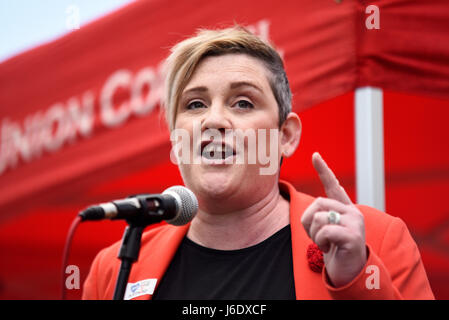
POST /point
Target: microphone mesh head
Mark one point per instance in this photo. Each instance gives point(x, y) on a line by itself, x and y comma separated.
point(188, 206)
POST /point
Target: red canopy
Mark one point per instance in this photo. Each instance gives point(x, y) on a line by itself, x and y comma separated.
point(80, 118)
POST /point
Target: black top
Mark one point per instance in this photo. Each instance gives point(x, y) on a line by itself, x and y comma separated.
point(262, 271)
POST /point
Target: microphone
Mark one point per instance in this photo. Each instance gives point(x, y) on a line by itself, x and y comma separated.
point(177, 205)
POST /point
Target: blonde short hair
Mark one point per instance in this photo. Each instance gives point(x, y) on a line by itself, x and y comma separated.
point(186, 55)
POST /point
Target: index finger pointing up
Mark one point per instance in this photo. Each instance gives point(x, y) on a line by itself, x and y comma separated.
point(330, 183)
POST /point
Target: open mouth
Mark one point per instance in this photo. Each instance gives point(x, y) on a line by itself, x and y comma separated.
point(216, 151)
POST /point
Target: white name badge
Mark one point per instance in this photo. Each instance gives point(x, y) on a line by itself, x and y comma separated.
point(140, 288)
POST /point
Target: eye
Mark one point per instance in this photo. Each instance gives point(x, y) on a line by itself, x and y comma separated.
point(243, 104)
point(195, 105)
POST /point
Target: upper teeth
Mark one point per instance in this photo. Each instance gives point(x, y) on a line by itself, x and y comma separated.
point(217, 151)
point(217, 148)
point(210, 148)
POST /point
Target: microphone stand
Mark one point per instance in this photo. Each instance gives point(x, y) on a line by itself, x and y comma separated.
point(130, 248)
point(129, 253)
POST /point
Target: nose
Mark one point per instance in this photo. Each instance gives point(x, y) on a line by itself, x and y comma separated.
point(217, 118)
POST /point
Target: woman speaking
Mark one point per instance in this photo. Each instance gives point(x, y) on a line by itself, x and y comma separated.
point(254, 236)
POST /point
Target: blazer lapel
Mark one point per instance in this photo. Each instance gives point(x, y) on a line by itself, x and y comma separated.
point(308, 284)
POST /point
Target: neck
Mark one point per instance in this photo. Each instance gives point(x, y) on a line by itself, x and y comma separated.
point(243, 228)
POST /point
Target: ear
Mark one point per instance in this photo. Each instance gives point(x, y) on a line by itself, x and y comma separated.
point(290, 134)
point(173, 157)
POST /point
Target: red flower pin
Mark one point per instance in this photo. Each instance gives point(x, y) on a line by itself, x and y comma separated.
point(315, 258)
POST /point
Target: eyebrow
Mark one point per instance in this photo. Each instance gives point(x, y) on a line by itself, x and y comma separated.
point(195, 89)
point(233, 85)
point(239, 84)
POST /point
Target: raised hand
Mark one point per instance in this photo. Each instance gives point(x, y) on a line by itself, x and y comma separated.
point(342, 243)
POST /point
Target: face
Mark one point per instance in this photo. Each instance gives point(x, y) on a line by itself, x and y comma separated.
point(226, 94)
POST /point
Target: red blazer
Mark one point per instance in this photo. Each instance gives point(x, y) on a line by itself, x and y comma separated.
point(392, 250)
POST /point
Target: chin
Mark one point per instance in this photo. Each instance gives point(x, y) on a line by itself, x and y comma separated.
point(217, 185)
point(227, 186)
point(212, 186)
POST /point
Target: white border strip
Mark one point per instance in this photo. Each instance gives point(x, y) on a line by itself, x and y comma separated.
point(369, 136)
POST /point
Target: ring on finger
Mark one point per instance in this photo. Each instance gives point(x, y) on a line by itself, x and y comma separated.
point(333, 217)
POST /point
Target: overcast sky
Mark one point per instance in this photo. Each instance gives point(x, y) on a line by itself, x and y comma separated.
point(25, 24)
